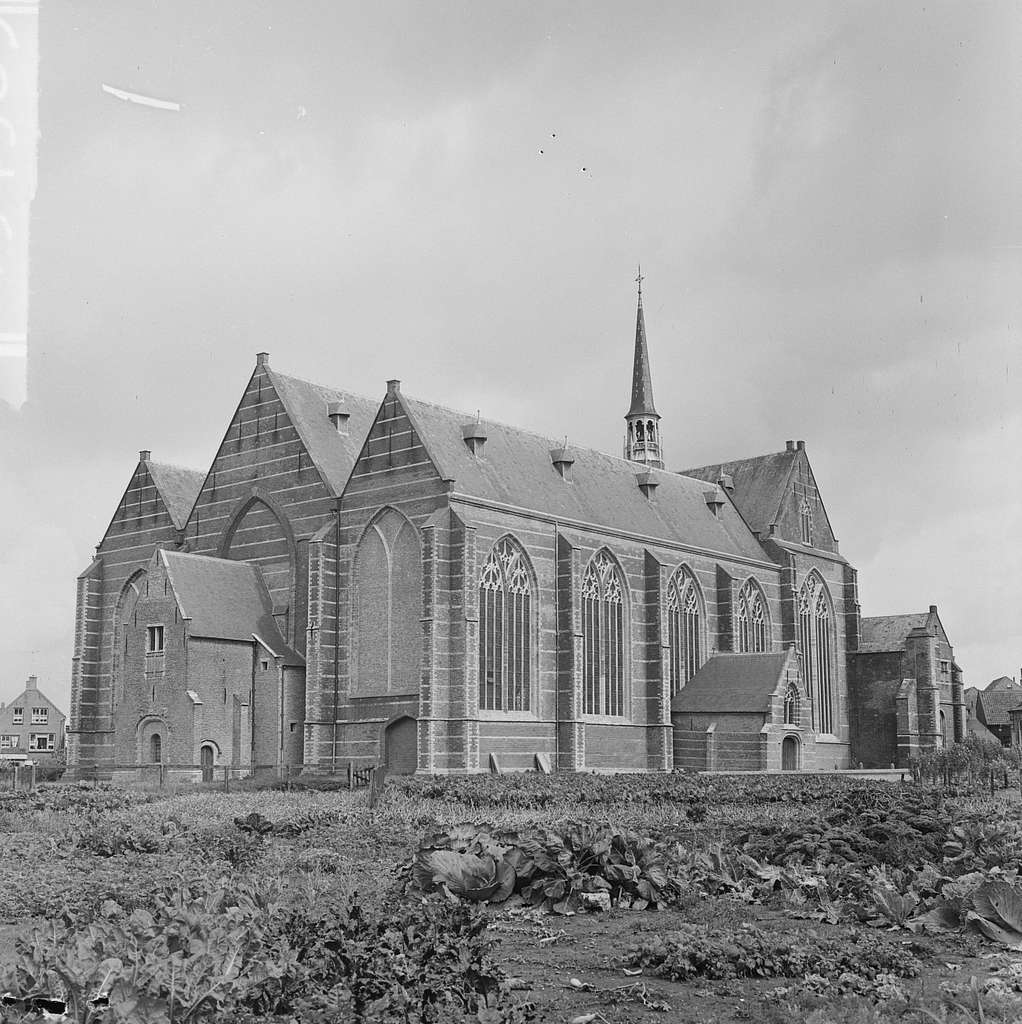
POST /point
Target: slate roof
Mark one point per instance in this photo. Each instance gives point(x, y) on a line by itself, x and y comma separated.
point(1002, 683)
point(178, 487)
point(225, 600)
point(642, 382)
point(978, 729)
point(888, 632)
point(515, 469)
point(992, 707)
point(760, 484)
point(306, 404)
point(731, 683)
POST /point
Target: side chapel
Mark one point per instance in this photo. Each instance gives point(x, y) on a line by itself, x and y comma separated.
point(389, 581)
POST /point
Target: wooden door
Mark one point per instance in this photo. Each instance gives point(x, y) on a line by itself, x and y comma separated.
point(206, 763)
point(400, 746)
point(789, 754)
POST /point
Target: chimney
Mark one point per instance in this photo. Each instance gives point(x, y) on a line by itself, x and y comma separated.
point(800, 445)
point(789, 446)
point(144, 455)
point(933, 609)
point(338, 414)
point(32, 683)
point(262, 358)
point(393, 387)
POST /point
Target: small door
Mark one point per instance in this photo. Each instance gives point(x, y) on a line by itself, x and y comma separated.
point(789, 754)
point(206, 763)
point(400, 746)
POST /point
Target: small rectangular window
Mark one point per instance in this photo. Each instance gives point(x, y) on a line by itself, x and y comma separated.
point(40, 741)
point(154, 639)
point(19, 716)
point(9, 742)
point(266, 666)
point(40, 716)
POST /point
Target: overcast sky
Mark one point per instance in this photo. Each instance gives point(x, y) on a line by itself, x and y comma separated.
point(825, 199)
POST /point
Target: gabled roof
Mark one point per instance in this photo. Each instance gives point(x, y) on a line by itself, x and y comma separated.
point(33, 697)
point(225, 600)
point(888, 632)
point(178, 487)
point(761, 483)
point(992, 707)
point(306, 405)
point(1003, 683)
point(732, 683)
point(979, 730)
point(515, 469)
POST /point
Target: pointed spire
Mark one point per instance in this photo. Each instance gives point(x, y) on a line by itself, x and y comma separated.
point(642, 383)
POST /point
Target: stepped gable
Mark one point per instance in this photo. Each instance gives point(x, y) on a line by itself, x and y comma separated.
point(882, 633)
point(332, 452)
point(760, 484)
point(515, 468)
point(225, 600)
point(178, 487)
point(732, 683)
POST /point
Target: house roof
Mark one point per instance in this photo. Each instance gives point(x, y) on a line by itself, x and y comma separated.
point(515, 469)
point(992, 707)
point(33, 697)
point(225, 600)
point(888, 632)
point(306, 404)
point(732, 683)
point(760, 484)
point(978, 729)
point(178, 487)
point(1003, 683)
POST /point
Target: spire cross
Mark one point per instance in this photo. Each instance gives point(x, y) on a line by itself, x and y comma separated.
point(639, 280)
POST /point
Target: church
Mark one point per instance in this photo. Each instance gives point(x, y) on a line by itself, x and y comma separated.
point(360, 581)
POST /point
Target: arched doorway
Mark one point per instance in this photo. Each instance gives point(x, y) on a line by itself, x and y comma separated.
point(400, 746)
point(789, 754)
point(206, 758)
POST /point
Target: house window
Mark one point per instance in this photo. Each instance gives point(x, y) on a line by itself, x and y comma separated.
point(154, 639)
point(9, 742)
point(40, 741)
point(752, 627)
point(17, 716)
point(816, 648)
point(40, 716)
point(945, 668)
point(791, 706)
point(805, 518)
point(505, 630)
point(684, 629)
point(603, 630)
point(264, 664)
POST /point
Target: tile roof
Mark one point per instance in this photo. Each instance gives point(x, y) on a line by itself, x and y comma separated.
point(225, 600)
point(306, 404)
point(760, 484)
point(178, 487)
point(992, 706)
point(888, 632)
point(515, 469)
point(732, 683)
point(1002, 683)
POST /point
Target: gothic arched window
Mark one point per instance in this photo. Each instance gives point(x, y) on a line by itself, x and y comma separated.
point(505, 630)
point(752, 626)
point(791, 706)
point(805, 518)
point(155, 748)
point(603, 631)
point(816, 643)
point(387, 608)
point(684, 629)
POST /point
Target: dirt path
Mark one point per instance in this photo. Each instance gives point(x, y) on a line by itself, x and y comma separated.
point(547, 952)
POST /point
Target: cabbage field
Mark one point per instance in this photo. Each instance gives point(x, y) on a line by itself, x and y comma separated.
point(571, 898)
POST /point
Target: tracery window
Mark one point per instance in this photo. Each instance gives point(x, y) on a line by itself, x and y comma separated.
point(805, 517)
point(603, 622)
point(684, 629)
point(791, 706)
point(505, 630)
point(816, 644)
point(752, 627)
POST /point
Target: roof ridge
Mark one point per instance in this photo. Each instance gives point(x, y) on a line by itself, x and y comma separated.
point(173, 465)
point(731, 462)
point(315, 384)
point(536, 434)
